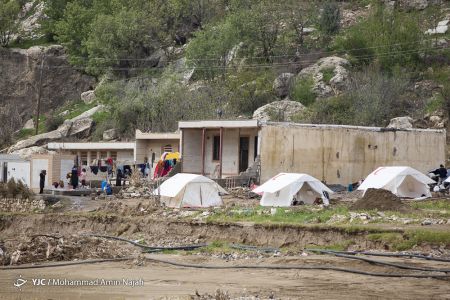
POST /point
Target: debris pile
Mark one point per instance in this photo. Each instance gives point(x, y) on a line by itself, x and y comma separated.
point(379, 199)
point(144, 192)
point(242, 192)
point(57, 248)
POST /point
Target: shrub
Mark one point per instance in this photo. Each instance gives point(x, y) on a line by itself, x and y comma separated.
point(12, 188)
point(53, 122)
point(302, 91)
point(330, 18)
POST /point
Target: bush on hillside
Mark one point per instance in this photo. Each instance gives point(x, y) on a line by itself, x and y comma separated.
point(53, 122)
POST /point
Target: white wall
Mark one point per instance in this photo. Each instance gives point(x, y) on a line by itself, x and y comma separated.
point(39, 164)
point(19, 171)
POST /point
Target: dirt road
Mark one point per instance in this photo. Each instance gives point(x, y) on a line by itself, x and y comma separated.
point(169, 282)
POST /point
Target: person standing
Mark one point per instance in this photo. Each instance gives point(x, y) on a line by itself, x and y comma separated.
point(42, 181)
point(83, 177)
point(74, 177)
point(119, 177)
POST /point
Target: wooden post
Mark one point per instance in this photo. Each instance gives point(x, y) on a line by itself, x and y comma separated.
point(203, 150)
point(220, 152)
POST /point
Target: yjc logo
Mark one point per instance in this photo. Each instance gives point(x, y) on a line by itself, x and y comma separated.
point(38, 281)
point(20, 282)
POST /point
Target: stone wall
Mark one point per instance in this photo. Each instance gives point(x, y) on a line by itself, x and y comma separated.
point(21, 205)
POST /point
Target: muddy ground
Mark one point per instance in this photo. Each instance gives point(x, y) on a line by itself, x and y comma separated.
point(61, 234)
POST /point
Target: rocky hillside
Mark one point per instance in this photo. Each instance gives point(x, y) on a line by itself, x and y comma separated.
point(147, 64)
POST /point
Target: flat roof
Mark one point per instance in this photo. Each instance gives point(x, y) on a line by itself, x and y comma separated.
point(331, 126)
point(11, 157)
point(157, 135)
point(219, 124)
point(92, 146)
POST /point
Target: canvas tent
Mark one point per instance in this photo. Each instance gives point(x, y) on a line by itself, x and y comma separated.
point(190, 190)
point(284, 188)
point(401, 181)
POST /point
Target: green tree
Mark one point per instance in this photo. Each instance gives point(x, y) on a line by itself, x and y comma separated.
point(54, 10)
point(120, 40)
point(9, 10)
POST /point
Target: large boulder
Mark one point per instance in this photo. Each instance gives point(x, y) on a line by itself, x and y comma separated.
point(414, 4)
point(282, 84)
point(26, 153)
point(79, 128)
point(89, 113)
point(36, 140)
point(401, 123)
point(282, 110)
point(110, 134)
point(329, 74)
point(29, 124)
point(88, 96)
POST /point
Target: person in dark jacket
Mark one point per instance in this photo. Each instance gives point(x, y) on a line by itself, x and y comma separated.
point(42, 181)
point(119, 177)
point(442, 173)
point(74, 177)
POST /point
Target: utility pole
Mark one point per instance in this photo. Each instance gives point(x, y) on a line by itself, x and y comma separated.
point(39, 94)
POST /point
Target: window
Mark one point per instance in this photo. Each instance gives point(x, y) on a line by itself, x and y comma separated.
point(103, 155)
point(216, 147)
point(114, 155)
point(167, 148)
point(83, 158)
point(255, 148)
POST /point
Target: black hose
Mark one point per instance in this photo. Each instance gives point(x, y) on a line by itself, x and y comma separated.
point(297, 267)
point(71, 263)
point(373, 261)
point(254, 248)
point(151, 248)
point(269, 267)
point(421, 256)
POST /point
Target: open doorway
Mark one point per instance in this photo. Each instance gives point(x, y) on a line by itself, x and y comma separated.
point(243, 153)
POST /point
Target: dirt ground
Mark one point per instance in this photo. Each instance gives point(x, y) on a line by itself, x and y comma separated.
point(61, 235)
point(171, 282)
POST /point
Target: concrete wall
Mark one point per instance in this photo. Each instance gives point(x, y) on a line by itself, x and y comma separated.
point(19, 171)
point(192, 150)
point(54, 164)
point(345, 154)
point(145, 148)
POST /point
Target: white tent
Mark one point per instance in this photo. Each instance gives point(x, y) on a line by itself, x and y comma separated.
point(284, 188)
point(190, 190)
point(401, 181)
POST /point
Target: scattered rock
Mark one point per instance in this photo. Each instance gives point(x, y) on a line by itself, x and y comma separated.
point(441, 28)
point(414, 4)
point(88, 96)
point(282, 84)
point(282, 110)
point(326, 87)
point(401, 123)
point(29, 124)
point(110, 134)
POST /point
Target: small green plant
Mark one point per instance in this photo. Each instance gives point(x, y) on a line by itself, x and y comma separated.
point(302, 91)
point(328, 73)
point(330, 18)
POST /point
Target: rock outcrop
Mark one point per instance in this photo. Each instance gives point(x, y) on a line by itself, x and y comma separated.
point(20, 74)
point(282, 84)
point(335, 68)
point(401, 123)
point(70, 128)
point(88, 96)
point(110, 134)
point(282, 110)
